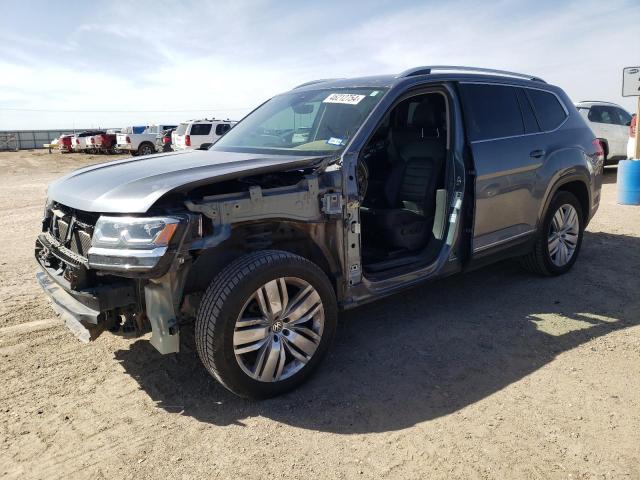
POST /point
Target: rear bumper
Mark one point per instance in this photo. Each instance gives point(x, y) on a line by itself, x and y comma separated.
point(124, 146)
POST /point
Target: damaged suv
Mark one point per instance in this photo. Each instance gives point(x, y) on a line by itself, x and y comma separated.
point(334, 194)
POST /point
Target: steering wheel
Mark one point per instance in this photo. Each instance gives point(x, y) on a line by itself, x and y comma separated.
point(279, 140)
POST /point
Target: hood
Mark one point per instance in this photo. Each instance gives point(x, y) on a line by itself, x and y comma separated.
point(134, 185)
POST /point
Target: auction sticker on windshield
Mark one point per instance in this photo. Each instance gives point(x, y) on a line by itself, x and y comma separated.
point(346, 98)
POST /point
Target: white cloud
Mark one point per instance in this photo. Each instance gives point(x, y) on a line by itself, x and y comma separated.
point(231, 56)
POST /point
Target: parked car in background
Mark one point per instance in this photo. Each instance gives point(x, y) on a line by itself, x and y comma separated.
point(141, 143)
point(65, 143)
point(332, 195)
point(137, 129)
point(192, 134)
point(633, 137)
point(609, 122)
point(83, 140)
point(105, 142)
point(91, 144)
point(163, 142)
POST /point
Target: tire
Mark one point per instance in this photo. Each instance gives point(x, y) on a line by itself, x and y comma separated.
point(543, 261)
point(231, 296)
point(146, 149)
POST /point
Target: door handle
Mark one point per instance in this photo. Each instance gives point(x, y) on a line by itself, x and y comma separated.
point(537, 154)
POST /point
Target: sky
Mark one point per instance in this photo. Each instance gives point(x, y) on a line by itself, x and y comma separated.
point(79, 64)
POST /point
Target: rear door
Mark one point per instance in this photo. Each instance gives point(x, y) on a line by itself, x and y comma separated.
point(507, 152)
point(200, 133)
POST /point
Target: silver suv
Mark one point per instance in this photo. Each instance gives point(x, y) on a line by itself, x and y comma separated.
point(334, 194)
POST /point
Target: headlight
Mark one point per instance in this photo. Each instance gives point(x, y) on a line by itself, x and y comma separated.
point(130, 243)
point(133, 232)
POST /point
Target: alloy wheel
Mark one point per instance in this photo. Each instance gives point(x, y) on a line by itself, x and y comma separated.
point(279, 329)
point(563, 235)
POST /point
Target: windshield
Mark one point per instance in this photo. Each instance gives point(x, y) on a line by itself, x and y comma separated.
point(182, 128)
point(317, 122)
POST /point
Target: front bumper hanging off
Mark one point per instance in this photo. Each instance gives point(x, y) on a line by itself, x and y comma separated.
point(82, 320)
point(85, 310)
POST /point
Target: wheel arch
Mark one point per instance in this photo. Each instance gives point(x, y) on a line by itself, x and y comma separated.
point(308, 240)
point(578, 185)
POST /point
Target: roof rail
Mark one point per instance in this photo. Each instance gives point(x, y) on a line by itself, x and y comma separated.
point(598, 101)
point(426, 70)
point(312, 82)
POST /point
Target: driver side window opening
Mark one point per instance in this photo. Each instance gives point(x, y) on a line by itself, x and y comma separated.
point(402, 170)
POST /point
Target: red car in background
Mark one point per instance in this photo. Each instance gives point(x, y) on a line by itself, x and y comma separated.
point(104, 142)
point(64, 143)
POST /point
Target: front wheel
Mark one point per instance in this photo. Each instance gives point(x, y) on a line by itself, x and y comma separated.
point(265, 322)
point(560, 237)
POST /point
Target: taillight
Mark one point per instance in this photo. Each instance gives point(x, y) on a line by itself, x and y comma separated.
point(128, 139)
point(187, 140)
point(93, 140)
point(166, 139)
point(599, 148)
point(77, 141)
point(633, 127)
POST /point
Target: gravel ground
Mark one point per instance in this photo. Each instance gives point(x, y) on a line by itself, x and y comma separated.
point(493, 374)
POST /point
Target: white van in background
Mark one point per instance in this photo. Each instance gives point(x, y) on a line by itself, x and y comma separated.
point(192, 134)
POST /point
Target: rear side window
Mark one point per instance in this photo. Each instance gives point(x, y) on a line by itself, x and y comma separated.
point(200, 129)
point(610, 115)
point(528, 117)
point(222, 128)
point(625, 117)
point(492, 111)
point(599, 114)
point(549, 111)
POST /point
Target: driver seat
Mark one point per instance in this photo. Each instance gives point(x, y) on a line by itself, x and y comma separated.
point(419, 152)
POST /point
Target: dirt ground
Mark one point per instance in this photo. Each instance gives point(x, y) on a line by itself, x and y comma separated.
point(494, 374)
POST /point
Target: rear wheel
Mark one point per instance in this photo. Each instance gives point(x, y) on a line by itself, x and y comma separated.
point(560, 238)
point(145, 149)
point(265, 322)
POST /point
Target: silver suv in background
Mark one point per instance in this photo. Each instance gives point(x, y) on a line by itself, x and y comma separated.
point(610, 123)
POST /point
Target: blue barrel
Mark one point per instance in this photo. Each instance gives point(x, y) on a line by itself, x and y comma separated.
point(629, 182)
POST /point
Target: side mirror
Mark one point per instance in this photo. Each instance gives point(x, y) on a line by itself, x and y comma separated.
point(204, 146)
